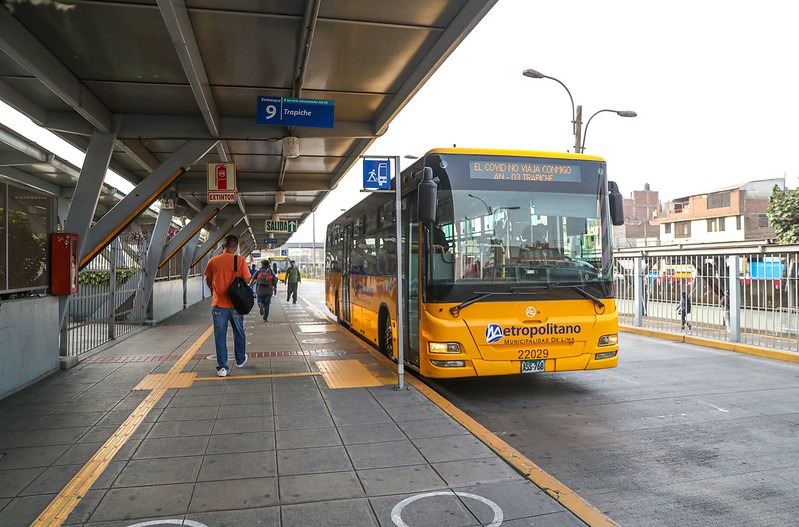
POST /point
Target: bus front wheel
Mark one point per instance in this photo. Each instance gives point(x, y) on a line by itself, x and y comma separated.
point(386, 337)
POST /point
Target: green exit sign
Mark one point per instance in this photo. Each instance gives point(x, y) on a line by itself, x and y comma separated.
point(281, 226)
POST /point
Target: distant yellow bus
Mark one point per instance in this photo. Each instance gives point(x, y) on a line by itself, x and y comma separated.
point(281, 261)
point(506, 268)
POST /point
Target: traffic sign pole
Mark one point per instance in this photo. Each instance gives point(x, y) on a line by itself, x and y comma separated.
point(400, 325)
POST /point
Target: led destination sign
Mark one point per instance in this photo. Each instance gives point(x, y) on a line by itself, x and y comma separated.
point(515, 169)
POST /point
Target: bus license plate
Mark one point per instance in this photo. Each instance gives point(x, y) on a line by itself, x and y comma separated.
point(532, 366)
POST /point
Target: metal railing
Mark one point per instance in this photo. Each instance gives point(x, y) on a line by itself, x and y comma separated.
point(103, 309)
point(749, 296)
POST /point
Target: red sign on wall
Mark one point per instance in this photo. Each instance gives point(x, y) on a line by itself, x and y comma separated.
point(221, 182)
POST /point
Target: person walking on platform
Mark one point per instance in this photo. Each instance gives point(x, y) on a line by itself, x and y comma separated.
point(276, 273)
point(266, 282)
point(292, 280)
point(219, 275)
point(253, 270)
point(684, 309)
point(725, 309)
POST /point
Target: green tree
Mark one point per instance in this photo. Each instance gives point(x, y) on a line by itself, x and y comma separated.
point(27, 251)
point(783, 215)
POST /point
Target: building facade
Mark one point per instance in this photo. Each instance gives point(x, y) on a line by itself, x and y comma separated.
point(736, 213)
point(638, 229)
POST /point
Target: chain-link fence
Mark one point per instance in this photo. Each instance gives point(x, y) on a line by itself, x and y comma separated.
point(739, 296)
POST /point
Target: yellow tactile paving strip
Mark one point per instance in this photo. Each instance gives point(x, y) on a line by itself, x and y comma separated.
point(346, 374)
point(62, 505)
point(156, 381)
point(264, 376)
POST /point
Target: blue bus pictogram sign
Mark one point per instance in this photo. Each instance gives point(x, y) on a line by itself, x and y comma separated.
point(376, 173)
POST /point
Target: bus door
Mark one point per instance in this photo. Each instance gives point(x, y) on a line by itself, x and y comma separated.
point(344, 315)
point(410, 279)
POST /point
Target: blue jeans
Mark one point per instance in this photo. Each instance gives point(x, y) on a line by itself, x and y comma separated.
point(266, 301)
point(222, 316)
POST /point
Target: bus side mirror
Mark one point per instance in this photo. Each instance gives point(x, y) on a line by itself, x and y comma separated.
point(616, 204)
point(428, 197)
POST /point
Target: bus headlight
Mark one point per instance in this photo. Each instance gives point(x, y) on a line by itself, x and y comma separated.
point(444, 347)
point(449, 363)
point(609, 340)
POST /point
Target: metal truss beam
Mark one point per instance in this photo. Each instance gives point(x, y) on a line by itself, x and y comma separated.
point(142, 197)
point(28, 52)
point(188, 232)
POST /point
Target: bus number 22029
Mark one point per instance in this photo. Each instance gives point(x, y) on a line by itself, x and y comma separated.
point(533, 354)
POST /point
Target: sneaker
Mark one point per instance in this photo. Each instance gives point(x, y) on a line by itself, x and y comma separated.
point(243, 362)
point(262, 310)
point(222, 372)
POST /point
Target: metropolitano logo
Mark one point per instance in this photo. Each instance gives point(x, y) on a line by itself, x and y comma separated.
point(493, 333)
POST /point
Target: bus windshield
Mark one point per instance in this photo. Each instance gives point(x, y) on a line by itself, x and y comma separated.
point(498, 235)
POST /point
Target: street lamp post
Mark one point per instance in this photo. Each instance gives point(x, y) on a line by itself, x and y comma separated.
point(577, 111)
point(620, 113)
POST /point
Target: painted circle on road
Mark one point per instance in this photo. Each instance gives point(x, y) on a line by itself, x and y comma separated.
point(153, 523)
point(396, 512)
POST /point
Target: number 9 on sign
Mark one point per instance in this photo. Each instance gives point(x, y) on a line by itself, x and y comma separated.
point(271, 111)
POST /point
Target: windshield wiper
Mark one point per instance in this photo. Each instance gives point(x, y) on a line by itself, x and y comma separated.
point(456, 310)
point(582, 292)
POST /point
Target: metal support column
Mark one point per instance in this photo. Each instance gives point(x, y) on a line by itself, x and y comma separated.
point(638, 293)
point(733, 286)
point(90, 183)
point(112, 291)
point(83, 204)
point(400, 303)
point(154, 250)
point(189, 249)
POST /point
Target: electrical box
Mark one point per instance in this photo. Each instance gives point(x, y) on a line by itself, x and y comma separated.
point(63, 263)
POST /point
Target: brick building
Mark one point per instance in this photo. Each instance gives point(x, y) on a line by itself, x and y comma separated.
point(735, 213)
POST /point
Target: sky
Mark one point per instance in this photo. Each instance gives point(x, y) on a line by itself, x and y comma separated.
point(713, 83)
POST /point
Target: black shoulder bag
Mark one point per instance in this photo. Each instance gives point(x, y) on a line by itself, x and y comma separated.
point(239, 291)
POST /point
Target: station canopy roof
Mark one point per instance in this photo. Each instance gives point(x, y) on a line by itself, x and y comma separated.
point(160, 73)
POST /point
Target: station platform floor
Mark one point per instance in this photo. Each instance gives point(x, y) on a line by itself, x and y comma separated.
point(310, 432)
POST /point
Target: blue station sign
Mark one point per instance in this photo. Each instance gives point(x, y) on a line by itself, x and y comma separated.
point(376, 173)
point(291, 111)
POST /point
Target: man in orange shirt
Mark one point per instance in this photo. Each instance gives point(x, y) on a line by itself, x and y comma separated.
point(219, 276)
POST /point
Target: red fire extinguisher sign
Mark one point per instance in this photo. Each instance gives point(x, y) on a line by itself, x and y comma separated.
point(221, 177)
point(221, 182)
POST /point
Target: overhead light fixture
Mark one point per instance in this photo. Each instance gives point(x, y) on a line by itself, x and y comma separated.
point(291, 147)
point(280, 196)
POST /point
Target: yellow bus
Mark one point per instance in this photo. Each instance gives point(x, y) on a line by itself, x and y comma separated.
point(507, 264)
point(281, 261)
